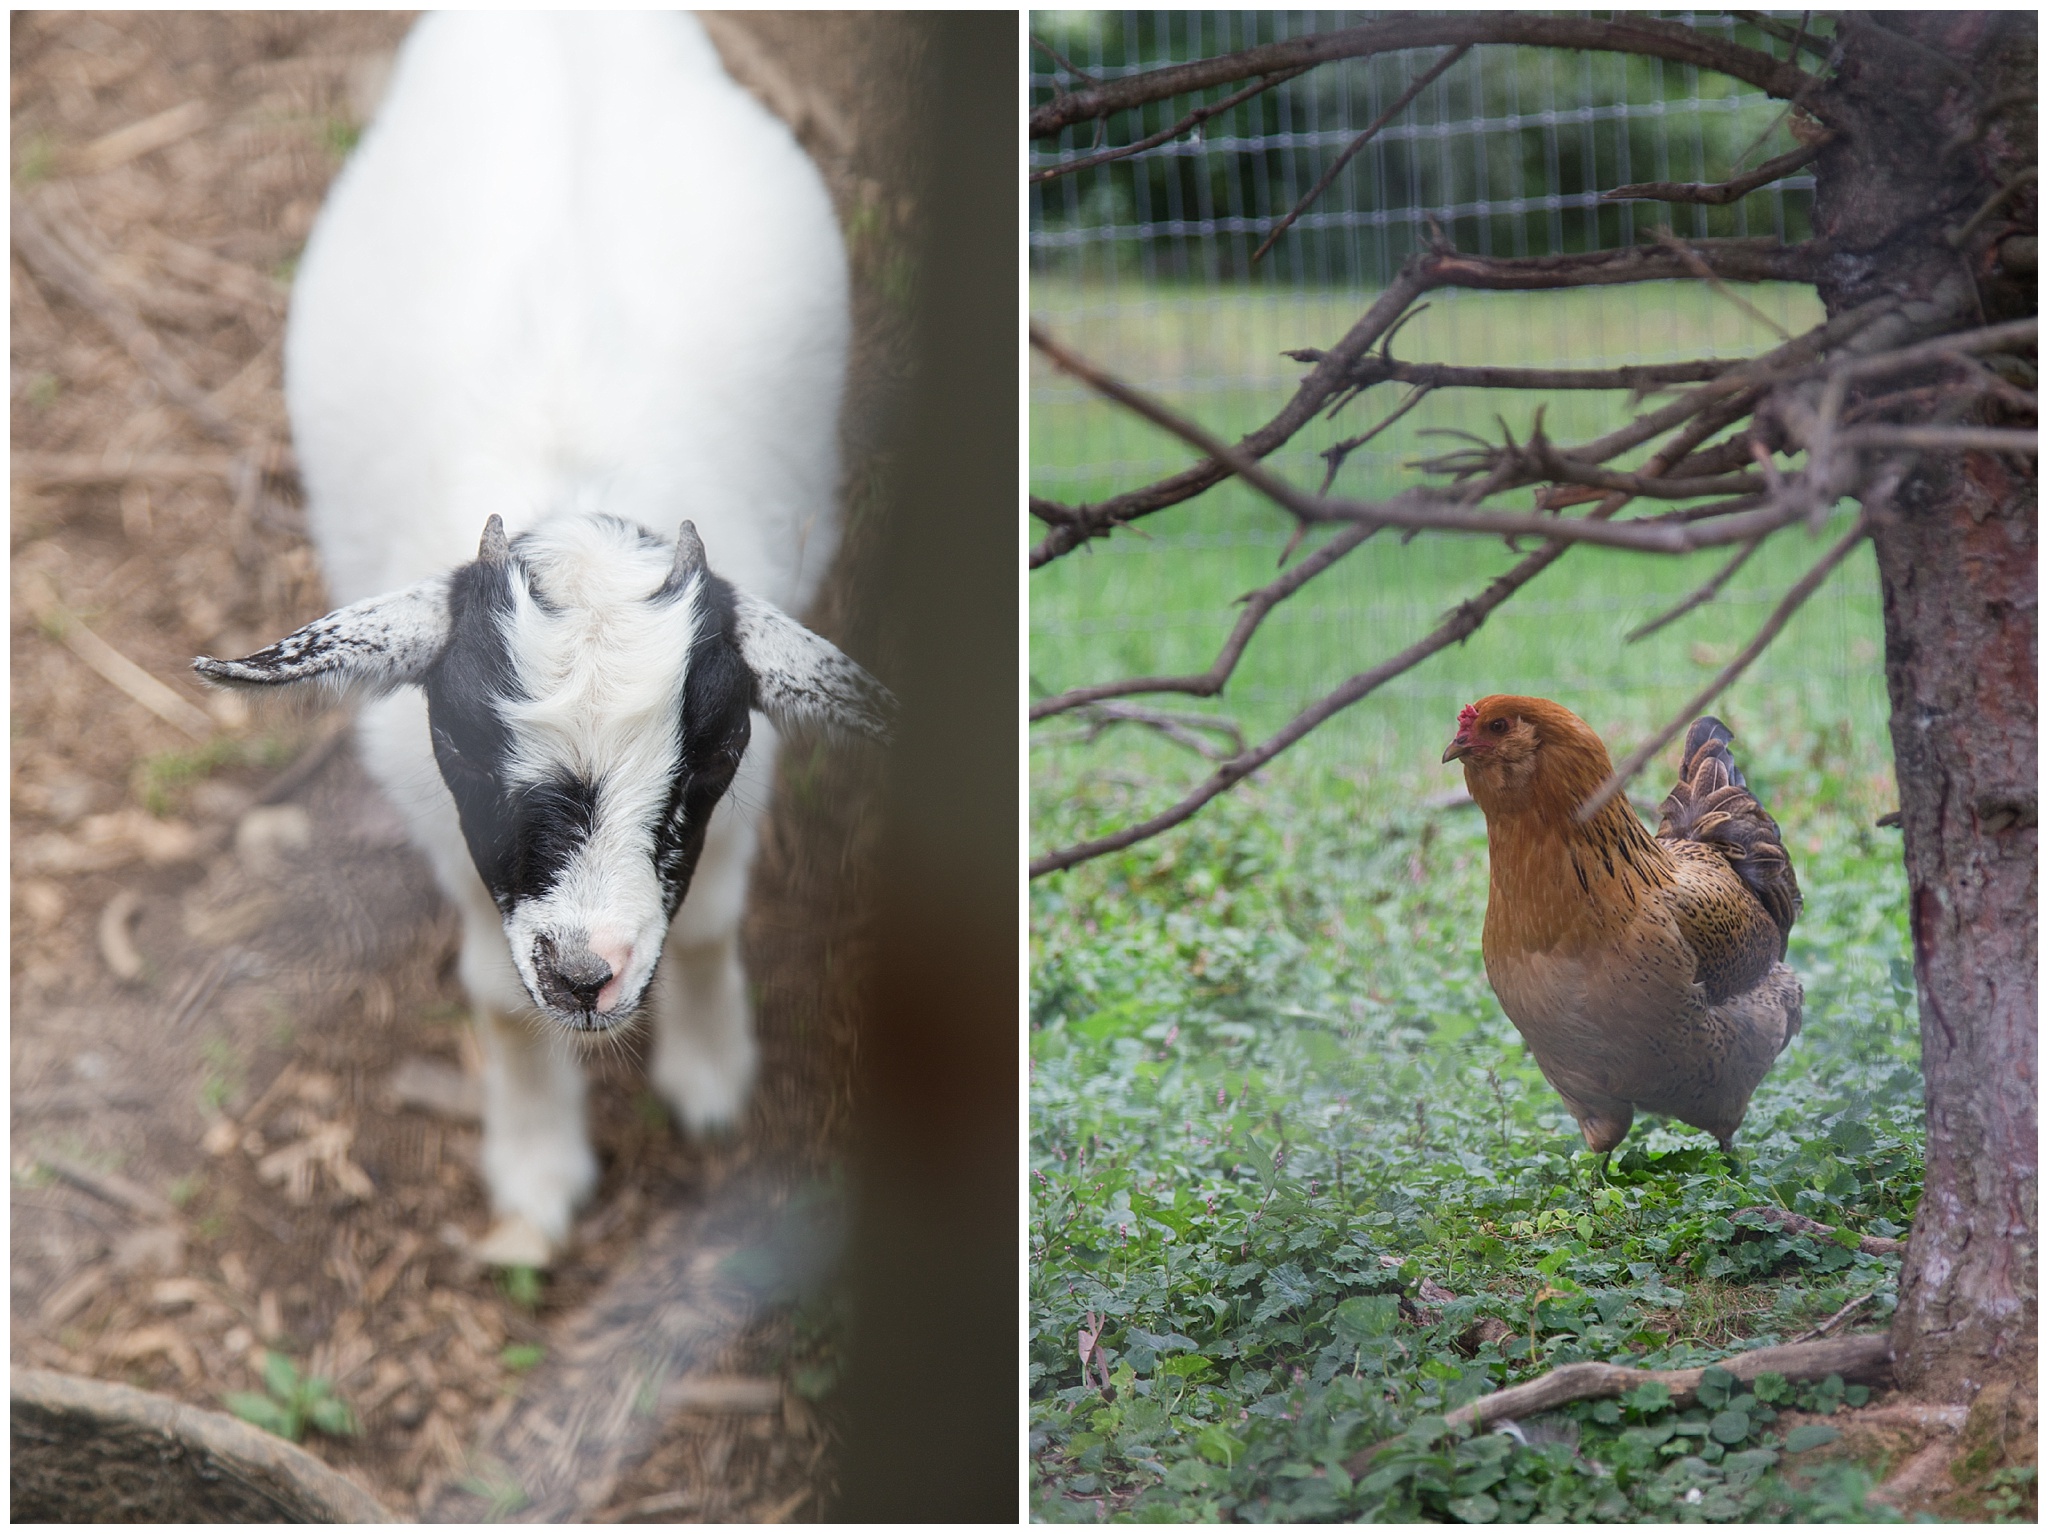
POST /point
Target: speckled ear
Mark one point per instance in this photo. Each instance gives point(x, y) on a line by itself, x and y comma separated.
point(797, 675)
point(373, 647)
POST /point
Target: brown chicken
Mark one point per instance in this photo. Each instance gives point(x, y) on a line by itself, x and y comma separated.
point(1644, 972)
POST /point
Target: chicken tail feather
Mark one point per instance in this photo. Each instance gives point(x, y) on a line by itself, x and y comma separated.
point(1711, 804)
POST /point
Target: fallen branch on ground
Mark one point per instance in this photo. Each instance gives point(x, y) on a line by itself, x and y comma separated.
point(1801, 1225)
point(1865, 1359)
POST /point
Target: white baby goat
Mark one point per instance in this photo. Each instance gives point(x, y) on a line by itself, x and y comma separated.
point(575, 286)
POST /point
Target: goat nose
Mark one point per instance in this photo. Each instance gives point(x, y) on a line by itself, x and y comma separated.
point(577, 973)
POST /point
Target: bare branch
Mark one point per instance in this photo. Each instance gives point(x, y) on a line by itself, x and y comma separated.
point(1427, 509)
point(1182, 729)
point(1207, 684)
point(1992, 204)
point(1415, 88)
point(1187, 124)
point(1838, 1317)
point(1817, 46)
point(1636, 378)
point(1699, 598)
point(1724, 192)
point(1706, 274)
point(1672, 41)
point(1806, 1225)
point(1737, 260)
point(1334, 456)
point(1463, 621)
point(1773, 625)
point(1062, 60)
point(1312, 394)
point(1949, 438)
point(1865, 1357)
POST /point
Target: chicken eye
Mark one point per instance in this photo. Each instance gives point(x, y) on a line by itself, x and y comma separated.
point(1499, 727)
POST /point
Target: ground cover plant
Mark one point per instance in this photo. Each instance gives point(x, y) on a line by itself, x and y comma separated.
point(1297, 1178)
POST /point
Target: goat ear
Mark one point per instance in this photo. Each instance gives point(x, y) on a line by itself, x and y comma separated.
point(374, 646)
point(798, 676)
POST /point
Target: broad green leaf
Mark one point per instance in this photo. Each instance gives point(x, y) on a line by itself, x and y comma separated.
point(1475, 1509)
point(1810, 1435)
point(1729, 1427)
point(1366, 1315)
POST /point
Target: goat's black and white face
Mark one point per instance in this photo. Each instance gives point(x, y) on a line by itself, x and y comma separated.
point(588, 692)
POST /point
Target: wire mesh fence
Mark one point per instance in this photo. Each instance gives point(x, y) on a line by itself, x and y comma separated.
point(1144, 264)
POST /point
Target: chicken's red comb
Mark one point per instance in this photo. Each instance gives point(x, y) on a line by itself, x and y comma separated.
point(1468, 715)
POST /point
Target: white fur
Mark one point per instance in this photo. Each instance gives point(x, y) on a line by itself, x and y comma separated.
point(573, 266)
point(602, 671)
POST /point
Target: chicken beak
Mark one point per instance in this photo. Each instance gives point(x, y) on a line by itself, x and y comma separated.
point(1458, 747)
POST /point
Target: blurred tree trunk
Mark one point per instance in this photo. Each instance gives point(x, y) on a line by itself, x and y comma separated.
point(1956, 557)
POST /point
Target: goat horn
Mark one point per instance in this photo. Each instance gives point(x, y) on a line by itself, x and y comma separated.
point(494, 550)
point(689, 554)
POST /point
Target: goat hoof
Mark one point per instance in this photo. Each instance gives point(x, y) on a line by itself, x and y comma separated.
point(515, 1242)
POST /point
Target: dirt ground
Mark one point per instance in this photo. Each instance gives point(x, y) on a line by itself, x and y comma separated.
point(242, 1089)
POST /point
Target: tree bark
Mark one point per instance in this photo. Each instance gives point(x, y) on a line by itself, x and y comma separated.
point(1956, 557)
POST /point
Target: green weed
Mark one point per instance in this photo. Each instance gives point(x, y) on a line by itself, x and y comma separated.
point(225, 1077)
point(36, 162)
point(339, 136)
point(1272, 1093)
point(522, 1286)
point(290, 1403)
point(161, 778)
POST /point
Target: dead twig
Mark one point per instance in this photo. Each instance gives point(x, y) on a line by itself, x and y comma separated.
point(1837, 1318)
point(1699, 598)
point(1642, 378)
point(1337, 369)
point(1462, 622)
point(1720, 193)
point(111, 1188)
point(1180, 728)
point(49, 259)
point(1336, 455)
point(1633, 34)
point(115, 667)
point(1712, 279)
point(1425, 509)
point(1773, 625)
point(1206, 684)
point(1803, 1225)
point(1401, 102)
point(138, 139)
point(1187, 124)
point(1866, 1359)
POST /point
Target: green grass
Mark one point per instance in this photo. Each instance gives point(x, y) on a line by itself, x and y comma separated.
point(1159, 597)
point(1272, 1093)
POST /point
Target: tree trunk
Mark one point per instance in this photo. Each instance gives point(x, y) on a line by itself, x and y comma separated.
point(1956, 556)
